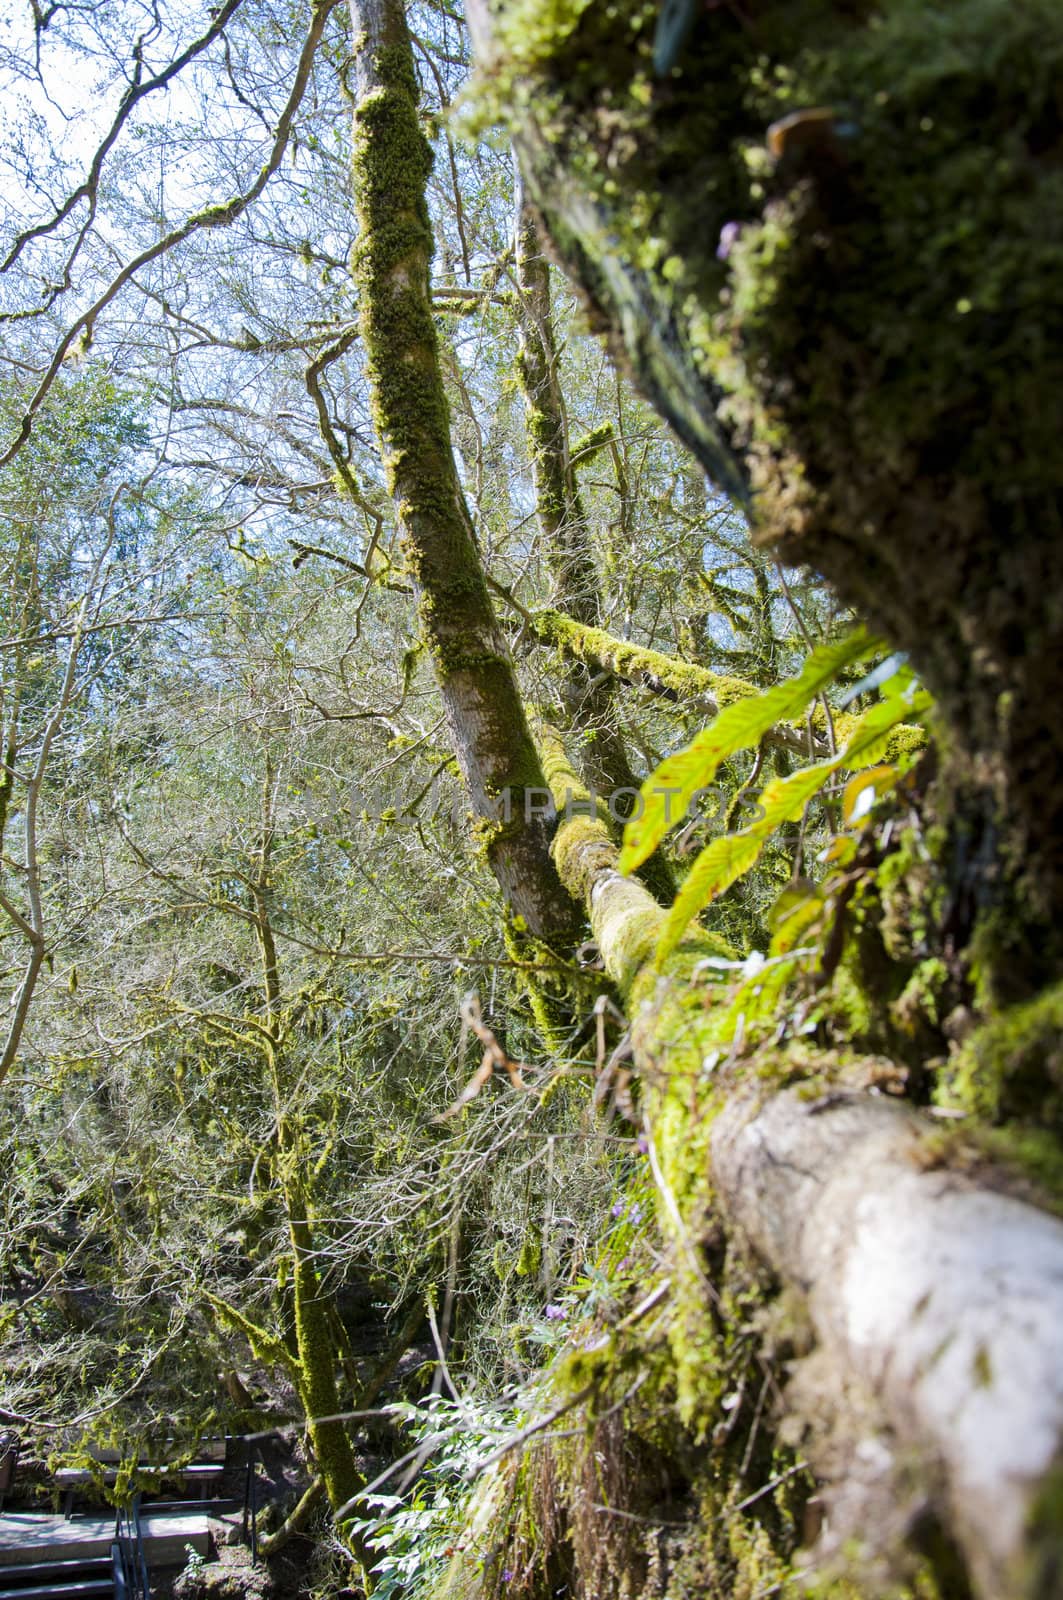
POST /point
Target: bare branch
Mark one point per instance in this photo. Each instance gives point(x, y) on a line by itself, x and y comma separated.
point(88, 189)
point(216, 216)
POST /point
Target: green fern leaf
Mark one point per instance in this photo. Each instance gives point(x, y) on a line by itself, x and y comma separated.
point(729, 858)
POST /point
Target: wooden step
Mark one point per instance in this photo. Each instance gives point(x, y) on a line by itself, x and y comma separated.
point(37, 1571)
point(72, 1588)
point(29, 1537)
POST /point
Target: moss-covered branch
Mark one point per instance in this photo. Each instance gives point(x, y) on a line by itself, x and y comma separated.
point(853, 1203)
point(265, 1346)
point(295, 1521)
point(694, 688)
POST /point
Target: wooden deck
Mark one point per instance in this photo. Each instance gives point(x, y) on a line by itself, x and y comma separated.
point(33, 1536)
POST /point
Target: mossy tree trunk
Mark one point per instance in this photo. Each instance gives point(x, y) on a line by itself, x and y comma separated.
point(391, 261)
point(308, 1355)
point(566, 535)
point(933, 1398)
point(827, 240)
point(312, 1354)
point(316, 1346)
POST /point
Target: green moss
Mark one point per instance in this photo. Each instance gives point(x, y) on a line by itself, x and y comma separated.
point(1033, 1155)
point(904, 740)
point(582, 1511)
point(532, 32)
point(921, 1585)
point(579, 847)
point(910, 890)
point(553, 990)
point(919, 1001)
point(1011, 1069)
point(531, 1255)
point(852, 1007)
point(599, 650)
point(588, 444)
point(1045, 1537)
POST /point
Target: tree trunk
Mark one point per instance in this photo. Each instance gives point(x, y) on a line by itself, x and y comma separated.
point(940, 1300)
point(827, 239)
point(566, 537)
point(316, 1347)
point(391, 261)
point(936, 1300)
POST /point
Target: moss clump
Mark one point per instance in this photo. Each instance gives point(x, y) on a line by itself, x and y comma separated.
point(907, 739)
point(1011, 1069)
point(919, 1002)
point(531, 1255)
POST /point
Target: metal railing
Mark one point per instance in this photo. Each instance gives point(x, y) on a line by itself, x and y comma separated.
point(128, 1561)
point(250, 1519)
point(9, 1447)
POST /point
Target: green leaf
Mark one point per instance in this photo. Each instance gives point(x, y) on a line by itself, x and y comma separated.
point(728, 858)
point(784, 799)
point(869, 740)
point(668, 792)
point(715, 869)
point(792, 915)
point(862, 792)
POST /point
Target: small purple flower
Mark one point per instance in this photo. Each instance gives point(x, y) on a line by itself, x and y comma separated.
point(642, 1144)
point(623, 1264)
point(618, 1209)
point(508, 1575)
point(728, 239)
point(635, 1214)
point(554, 1313)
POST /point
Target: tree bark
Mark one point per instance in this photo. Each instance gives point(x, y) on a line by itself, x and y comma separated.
point(941, 1300)
point(827, 240)
point(391, 261)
